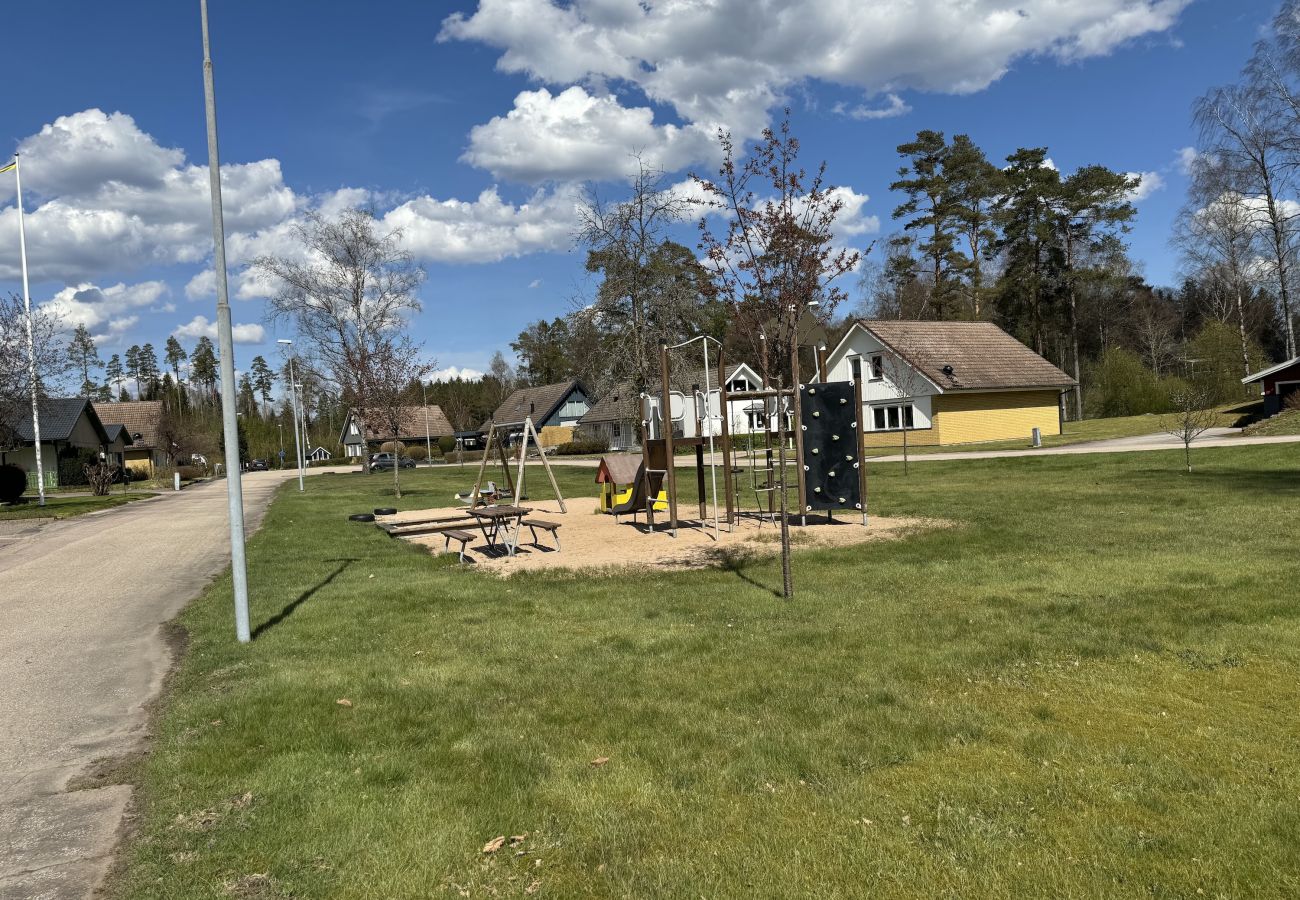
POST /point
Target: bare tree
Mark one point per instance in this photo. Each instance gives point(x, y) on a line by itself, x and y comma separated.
point(1193, 415)
point(652, 287)
point(394, 366)
point(1242, 127)
point(348, 296)
point(1219, 239)
point(774, 258)
point(907, 382)
point(52, 361)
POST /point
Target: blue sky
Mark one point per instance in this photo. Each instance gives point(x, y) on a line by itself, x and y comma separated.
point(473, 125)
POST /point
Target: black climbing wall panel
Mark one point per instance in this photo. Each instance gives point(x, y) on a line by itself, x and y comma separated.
point(832, 450)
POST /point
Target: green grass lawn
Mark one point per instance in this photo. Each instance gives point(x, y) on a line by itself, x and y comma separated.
point(1284, 423)
point(60, 507)
point(1085, 688)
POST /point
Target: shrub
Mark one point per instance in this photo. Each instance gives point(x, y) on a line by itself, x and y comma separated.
point(582, 447)
point(1292, 400)
point(396, 447)
point(101, 476)
point(190, 473)
point(1218, 368)
point(446, 444)
point(13, 481)
point(72, 468)
point(417, 453)
point(1120, 385)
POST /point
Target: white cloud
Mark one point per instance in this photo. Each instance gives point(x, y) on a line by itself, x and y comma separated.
point(1149, 184)
point(108, 312)
point(1185, 158)
point(894, 106)
point(487, 229)
point(199, 326)
point(729, 62)
point(576, 135)
point(534, 284)
point(451, 372)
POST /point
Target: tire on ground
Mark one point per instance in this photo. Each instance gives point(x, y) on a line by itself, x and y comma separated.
point(361, 517)
point(385, 511)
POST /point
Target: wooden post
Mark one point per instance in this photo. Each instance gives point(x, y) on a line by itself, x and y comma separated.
point(650, 493)
point(726, 435)
point(861, 425)
point(482, 466)
point(822, 369)
point(666, 421)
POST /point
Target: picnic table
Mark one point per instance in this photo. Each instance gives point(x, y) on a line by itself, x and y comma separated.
point(501, 523)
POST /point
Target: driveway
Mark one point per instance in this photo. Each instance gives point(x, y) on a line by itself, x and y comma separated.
point(81, 655)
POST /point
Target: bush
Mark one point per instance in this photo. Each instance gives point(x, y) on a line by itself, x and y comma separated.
point(101, 476)
point(13, 481)
point(582, 447)
point(190, 473)
point(72, 468)
point(1218, 365)
point(393, 447)
point(137, 474)
point(417, 453)
point(468, 456)
point(1120, 385)
point(446, 444)
point(1292, 400)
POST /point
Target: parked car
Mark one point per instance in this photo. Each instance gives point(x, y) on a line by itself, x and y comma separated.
point(257, 465)
point(388, 460)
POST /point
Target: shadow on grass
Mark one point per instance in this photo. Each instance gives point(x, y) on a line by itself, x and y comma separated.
point(303, 597)
point(736, 563)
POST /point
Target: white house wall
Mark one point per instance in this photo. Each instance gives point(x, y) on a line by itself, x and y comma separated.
point(879, 392)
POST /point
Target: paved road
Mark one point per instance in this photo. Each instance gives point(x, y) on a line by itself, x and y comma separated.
point(81, 654)
point(1215, 437)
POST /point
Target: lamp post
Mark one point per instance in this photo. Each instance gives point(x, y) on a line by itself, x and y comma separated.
point(293, 405)
point(428, 443)
point(226, 347)
point(280, 425)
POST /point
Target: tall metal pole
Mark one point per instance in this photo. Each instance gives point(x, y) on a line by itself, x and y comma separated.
point(297, 442)
point(226, 346)
point(428, 444)
point(31, 338)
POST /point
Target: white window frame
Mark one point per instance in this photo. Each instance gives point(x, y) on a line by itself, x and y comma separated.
point(897, 407)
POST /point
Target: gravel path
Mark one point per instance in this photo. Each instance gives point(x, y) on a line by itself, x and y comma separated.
point(82, 652)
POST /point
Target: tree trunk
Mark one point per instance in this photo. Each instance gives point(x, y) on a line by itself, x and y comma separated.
point(1187, 453)
point(787, 576)
point(397, 459)
point(1279, 255)
point(1074, 351)
point(905, 469)
point(1241, 330)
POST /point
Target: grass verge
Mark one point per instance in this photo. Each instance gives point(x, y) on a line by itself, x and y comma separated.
point(1086, 688)
point(58, 507)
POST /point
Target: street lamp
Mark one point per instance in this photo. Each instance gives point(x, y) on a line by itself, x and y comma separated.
point(428, 444)
point(280, 425)
point(293, 403)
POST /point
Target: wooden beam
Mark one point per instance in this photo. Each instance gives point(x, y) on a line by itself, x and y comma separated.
point(726, 435)
point(666, 421)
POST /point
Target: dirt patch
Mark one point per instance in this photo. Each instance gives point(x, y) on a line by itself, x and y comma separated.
point(590, 540)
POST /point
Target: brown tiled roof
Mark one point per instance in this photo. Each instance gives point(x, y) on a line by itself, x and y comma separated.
point(982, 355)
point(411, 424)
point(622, 404)
point(142, 417)
point(621, 468)
point(538, 402)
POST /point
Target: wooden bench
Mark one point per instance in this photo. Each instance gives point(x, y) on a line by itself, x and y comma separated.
point(552, 527)
point(463, 536)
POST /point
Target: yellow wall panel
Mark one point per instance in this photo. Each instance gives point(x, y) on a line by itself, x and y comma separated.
point(995, 416)
point(917, 437)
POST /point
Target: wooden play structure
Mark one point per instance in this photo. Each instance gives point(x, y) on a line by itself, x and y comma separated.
point(825, 422)
point(495, 441)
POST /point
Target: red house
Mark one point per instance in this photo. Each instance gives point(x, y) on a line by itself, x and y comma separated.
point(1278, 382)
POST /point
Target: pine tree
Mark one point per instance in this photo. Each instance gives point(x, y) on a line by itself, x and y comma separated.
point(175, 356)
point(149, 371)
point(1033, 257)
point(113, 374)
point(203, 366)
point(133, 366)
point(929, 204)
point(973, 185)
point(263, 380)
point(84, 355)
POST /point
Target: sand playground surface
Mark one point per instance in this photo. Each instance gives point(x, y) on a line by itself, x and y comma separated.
point(592, 540)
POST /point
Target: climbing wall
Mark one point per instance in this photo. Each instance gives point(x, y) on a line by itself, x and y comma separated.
point(832, 449)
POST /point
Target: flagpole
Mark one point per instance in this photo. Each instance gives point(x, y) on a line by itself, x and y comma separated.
point(31, 338)
point(226, 346)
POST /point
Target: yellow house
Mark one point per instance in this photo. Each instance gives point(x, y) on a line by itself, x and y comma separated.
point(948, 382)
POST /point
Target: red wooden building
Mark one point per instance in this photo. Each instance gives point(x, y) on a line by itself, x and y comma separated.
point(1278, 382)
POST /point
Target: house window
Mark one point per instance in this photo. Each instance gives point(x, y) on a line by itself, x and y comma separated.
point(893, 417)
point(618, 430)
point(738, 386)
point(855, 366)
point(877, 367)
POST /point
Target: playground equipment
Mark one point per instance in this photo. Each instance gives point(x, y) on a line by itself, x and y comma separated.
point(621, 485)
point(827, 428)
point(515, 488)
